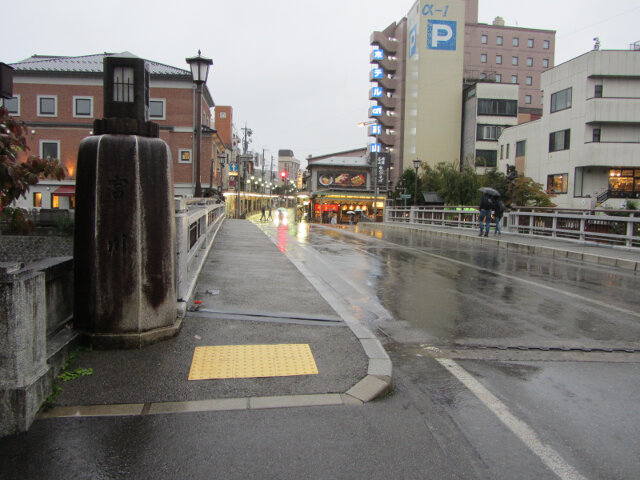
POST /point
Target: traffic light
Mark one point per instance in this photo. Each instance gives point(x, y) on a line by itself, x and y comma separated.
point(283, 175)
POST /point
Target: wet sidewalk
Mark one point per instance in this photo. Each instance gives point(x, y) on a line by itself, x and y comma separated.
point(251, 294)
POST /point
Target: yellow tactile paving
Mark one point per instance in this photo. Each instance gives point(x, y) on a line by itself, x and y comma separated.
point(251, 361)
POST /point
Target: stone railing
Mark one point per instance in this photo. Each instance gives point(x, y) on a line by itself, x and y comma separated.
point(613, 227)
point(197, 222)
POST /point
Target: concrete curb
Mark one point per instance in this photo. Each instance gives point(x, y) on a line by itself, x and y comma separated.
point(378, 381)
point(367, 390)
point(514, 245)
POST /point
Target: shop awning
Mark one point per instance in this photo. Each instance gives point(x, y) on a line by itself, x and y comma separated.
point(355, 196)
point(66, 191)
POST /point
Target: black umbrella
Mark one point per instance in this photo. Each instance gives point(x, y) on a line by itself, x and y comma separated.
point(490, 191)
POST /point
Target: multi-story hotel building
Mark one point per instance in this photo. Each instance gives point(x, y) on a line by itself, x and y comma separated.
point(58, 98)
point(438, 48)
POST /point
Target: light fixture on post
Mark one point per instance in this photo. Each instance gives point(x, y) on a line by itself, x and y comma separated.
point(416, 165)
point(199, 72)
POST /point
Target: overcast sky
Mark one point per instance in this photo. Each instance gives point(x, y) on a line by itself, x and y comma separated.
point(296, 71)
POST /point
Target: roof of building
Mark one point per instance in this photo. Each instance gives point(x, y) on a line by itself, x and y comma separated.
point(341, 162)
point(285, 153)
point(87, 64)
point(345, 153)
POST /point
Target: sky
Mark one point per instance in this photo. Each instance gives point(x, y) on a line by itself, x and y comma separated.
point(296, 72)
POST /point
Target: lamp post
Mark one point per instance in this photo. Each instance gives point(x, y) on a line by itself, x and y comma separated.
point(416, 165)
point(199, 72)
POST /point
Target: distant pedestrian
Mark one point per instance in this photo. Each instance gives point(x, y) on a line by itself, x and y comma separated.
point(334, 220)
point(263, 217)
point(270, 217)
point(498, 213)
point(486, 205)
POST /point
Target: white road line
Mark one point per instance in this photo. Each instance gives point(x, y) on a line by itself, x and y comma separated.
point(547, 454)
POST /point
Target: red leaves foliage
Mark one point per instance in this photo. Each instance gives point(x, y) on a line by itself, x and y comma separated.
point(17, 176)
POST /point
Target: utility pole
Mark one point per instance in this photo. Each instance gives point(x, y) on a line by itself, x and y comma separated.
point(246, 138)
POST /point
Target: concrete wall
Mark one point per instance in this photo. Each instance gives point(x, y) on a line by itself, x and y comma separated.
point(24, 379)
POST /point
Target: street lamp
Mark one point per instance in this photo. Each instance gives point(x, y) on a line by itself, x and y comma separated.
point(416, 165)
point(199, 72)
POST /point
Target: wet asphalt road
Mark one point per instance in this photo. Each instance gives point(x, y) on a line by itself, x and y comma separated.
point(467, 403)
point(536, 332)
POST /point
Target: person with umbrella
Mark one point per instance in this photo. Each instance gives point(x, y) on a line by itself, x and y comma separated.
point(486, 205)
point(498, 212)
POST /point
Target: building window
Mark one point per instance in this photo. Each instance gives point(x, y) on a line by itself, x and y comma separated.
point(514, 78)
point(223, 114)
point(516, 41)
point(498, 78)
point(501, 152)
point(529, 81)
point(83, 106)
point(560, 140)
point(184, 155)
point(545, 44)
point(50, 149)
point(545, 62)
point(499, 59)
point(483, 76)
point(558, 183)
point(157, 108)
point(561, 100)
point(508, 150)
point(624, 182)
point(530, 43)
point(12, 105)
point(597, 93)
point(499, 40)
point(514, 60)
point(37, 199)
point(47, 106)
point(486, 158)
point(521, 148)
point(529, 62)
point(483, 58)
point(55, 201)
point(484, 39)
point(527, 99)
point(494, 106)
point(596, 135)
point(489, 132)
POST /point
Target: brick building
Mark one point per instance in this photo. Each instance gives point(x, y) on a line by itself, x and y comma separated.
point(58, 98)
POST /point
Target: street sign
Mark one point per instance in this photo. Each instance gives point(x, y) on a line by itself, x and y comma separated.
point(233, 169)
point(404, 195)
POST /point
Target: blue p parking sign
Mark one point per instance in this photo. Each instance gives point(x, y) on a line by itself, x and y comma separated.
point(441, 35)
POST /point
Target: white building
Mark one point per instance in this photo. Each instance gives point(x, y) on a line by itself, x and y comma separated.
point(489, 108)
point(587, 144)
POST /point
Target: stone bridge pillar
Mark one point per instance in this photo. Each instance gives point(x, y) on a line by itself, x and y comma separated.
point(124, 246)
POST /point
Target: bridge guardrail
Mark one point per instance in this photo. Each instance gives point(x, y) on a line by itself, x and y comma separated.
point(197, 222)
point(612, 227)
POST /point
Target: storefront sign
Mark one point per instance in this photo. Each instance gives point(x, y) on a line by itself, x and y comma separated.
point(350, 180)
point(375, 130)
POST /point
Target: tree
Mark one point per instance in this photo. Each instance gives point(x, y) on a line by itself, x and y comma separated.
point(455, 186)
point(527, 192)
point(16, 176)
point(406, 184)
